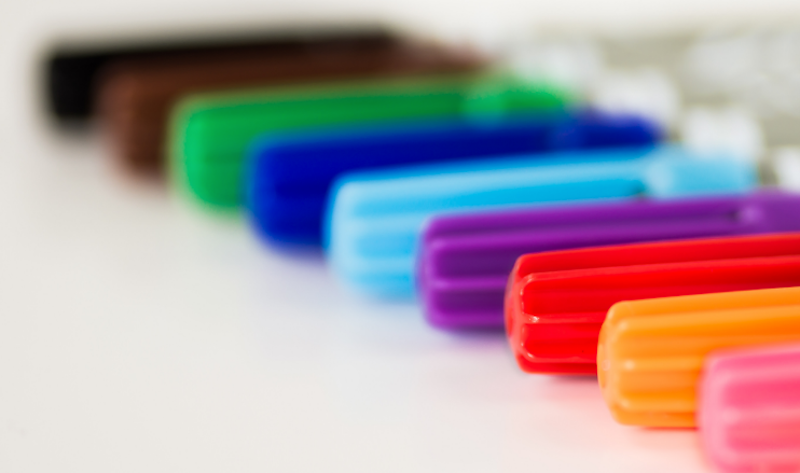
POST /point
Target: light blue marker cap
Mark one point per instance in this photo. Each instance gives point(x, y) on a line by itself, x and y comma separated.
point(375, 219)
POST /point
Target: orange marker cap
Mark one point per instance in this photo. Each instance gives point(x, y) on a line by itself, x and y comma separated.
point(651, 351)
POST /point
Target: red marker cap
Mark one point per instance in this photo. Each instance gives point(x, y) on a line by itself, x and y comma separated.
point(557, 301)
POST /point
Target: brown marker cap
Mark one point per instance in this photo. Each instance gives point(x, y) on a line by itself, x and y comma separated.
point(136, 95)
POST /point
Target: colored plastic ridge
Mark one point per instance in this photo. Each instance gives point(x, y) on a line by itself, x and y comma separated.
point(211, 133)
point(73, 72)
point(136, 95)
point(557, 301)
point(290, 176)
point(652, 351)
point(465, 259)
point(377, 218)
point(749, 407)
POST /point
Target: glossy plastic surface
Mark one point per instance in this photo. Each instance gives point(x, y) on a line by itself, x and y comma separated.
point(557, 301)
point(749, 408)
point(377, 218)
point(290, 176)
point(465, 259)
point(211, 133)
point(651, 351)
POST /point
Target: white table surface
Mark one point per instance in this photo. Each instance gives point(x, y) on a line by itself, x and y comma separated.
point(138, 333)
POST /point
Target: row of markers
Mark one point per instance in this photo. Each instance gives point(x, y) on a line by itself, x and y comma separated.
point(425, 174)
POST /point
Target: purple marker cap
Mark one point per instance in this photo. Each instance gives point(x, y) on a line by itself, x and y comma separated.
point(465, 259)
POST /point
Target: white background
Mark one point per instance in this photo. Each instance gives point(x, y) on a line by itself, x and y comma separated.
point(138, 333)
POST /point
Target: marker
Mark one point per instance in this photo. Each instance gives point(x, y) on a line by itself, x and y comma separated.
point(73, 70)
point(557, 301)
point(211, 133)
point(377, 218)
point(651, 351)
point(136, 95)
point(749, 406)
point(290, 175)
point(465, 259)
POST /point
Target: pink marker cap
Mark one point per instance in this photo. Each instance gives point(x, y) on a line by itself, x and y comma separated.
point(749, 409)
